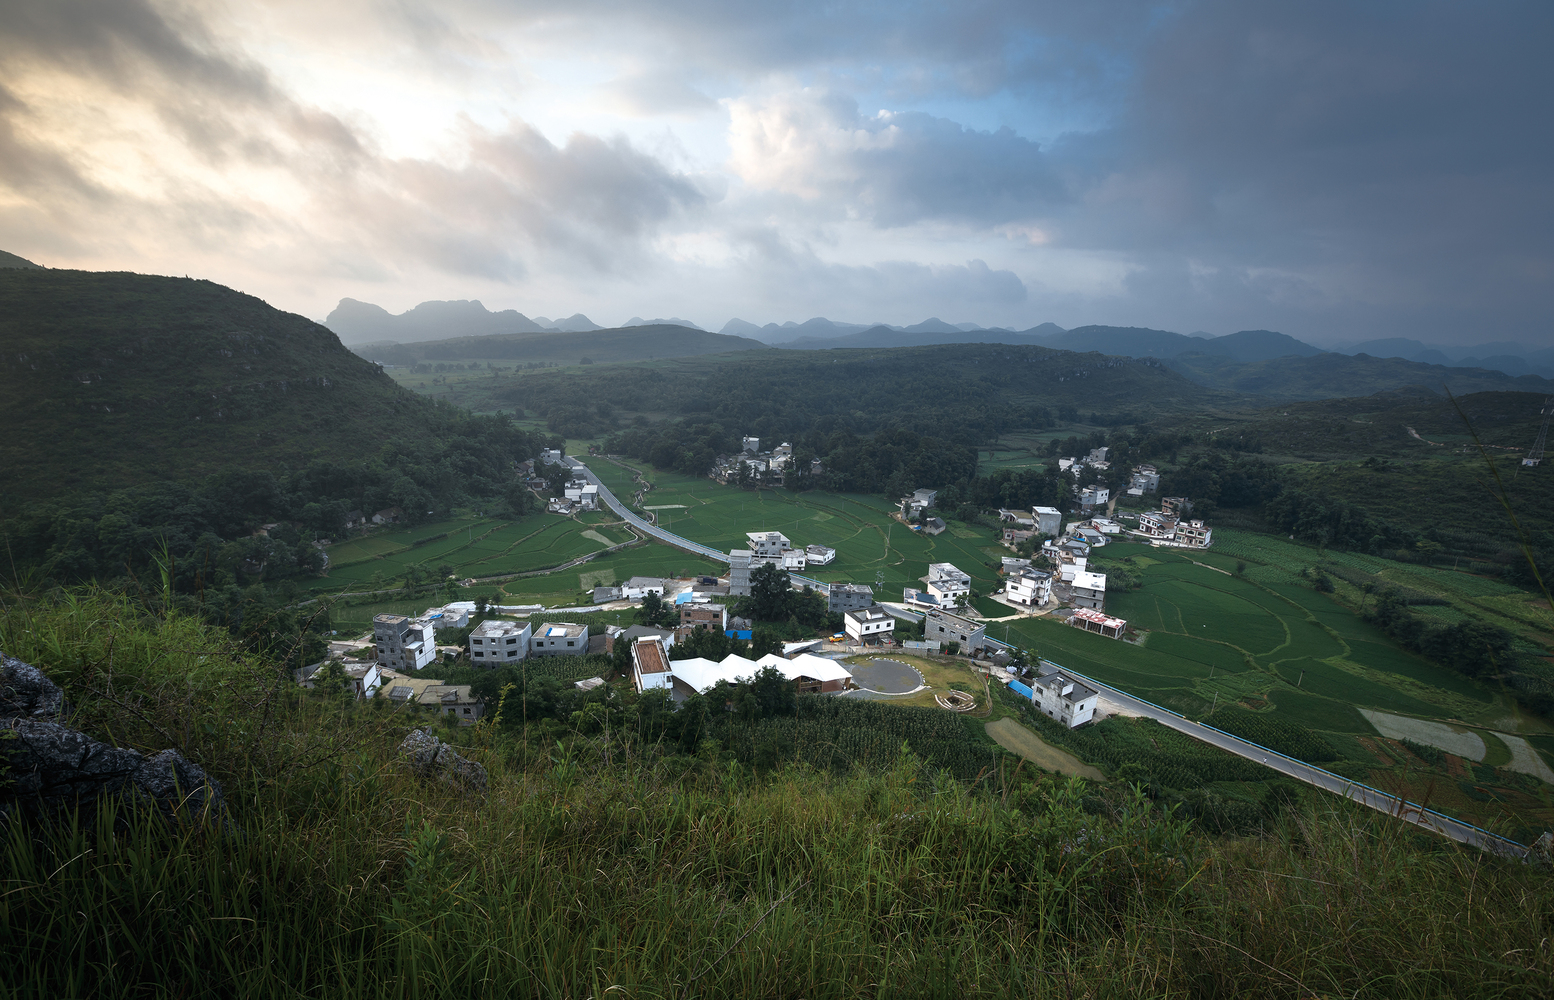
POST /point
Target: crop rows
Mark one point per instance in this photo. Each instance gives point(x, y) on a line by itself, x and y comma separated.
point(840, 735)
point(1287, 738)
point(1173, 759)
point(1425, 752)
point(562, 668)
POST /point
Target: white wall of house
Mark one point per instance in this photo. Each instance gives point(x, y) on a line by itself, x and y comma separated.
point(1090, 590)
point(869, 623)
point(559, 639)
point(1060, 698)
point(404, 643)
point(496, 643)
point(767, 543)
point(1031, 587)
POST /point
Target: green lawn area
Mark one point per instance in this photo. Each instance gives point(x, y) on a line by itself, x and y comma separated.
point(1261, 634)
point(867, 539)
point(474, 546)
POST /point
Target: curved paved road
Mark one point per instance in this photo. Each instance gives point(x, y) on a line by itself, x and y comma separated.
point(613, 502)
point(1392, 805)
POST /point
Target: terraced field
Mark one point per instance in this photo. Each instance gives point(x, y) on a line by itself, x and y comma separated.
point(1264, 637)
point(472, 547)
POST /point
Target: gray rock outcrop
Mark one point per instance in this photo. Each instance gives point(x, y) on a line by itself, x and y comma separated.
point(50, 767)
point(26, 693)
point(434, 760)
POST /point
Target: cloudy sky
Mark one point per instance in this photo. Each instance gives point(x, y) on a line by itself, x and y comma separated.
point(1337, 171)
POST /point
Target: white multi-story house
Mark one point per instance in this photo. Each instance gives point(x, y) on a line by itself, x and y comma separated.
point(767, 543)
point(1064, 699)
point(559, 639)
point(1029, 586)
point(404, 643)
point(1094, 496)
point(1158, 524)
point(947, 583)
point(820, 555)
point(794, 560)
point(1066, 563)
point(494, 643)
point(551, 456)
point(942, 626)
point(1195, 534)
point(583, 494)
point(919, 501)
point(869, 624)
point(1090, 590)
point(650, 664)
point(752, 445)
point(1049, 520)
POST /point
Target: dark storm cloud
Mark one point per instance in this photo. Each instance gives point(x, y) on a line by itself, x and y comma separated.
point(1390, 158)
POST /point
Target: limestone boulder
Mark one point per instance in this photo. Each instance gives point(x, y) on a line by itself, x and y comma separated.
point(435, 760)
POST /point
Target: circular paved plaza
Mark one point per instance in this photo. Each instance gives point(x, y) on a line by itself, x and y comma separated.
point(887, 676)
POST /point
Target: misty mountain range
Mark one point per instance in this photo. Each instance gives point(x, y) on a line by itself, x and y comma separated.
point(358, 323)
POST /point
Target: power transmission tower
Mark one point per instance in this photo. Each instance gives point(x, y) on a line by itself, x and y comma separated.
point(1536, 454)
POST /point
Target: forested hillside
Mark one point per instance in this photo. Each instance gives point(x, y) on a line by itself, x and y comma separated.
point(110, 380)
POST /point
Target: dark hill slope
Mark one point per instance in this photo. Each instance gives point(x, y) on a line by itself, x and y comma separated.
point(969, 393)
point(884, 336)
point(1332, 376)
point(115, 379)
point(634, 343)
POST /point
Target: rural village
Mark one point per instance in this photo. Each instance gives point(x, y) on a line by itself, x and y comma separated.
point(934, 620)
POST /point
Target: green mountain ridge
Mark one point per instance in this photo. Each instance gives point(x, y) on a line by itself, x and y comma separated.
point(116, 379)
point(634, 343)
point(1335, 376)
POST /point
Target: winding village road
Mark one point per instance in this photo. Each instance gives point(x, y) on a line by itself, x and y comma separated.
point(1392, 805)
point(615, 504)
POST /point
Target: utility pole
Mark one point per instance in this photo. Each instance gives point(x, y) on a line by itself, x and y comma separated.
point(1216, 703)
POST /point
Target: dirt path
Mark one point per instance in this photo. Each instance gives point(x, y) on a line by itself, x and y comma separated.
point(1015, 738)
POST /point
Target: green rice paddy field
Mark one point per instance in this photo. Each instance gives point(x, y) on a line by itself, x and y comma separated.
point(474, 547)
point(867, 539)
point(1264, 637)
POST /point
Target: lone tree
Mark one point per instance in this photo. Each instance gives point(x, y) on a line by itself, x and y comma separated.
point(769, 590)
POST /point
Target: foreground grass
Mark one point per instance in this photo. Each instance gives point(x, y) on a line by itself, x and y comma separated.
point(596, 865)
